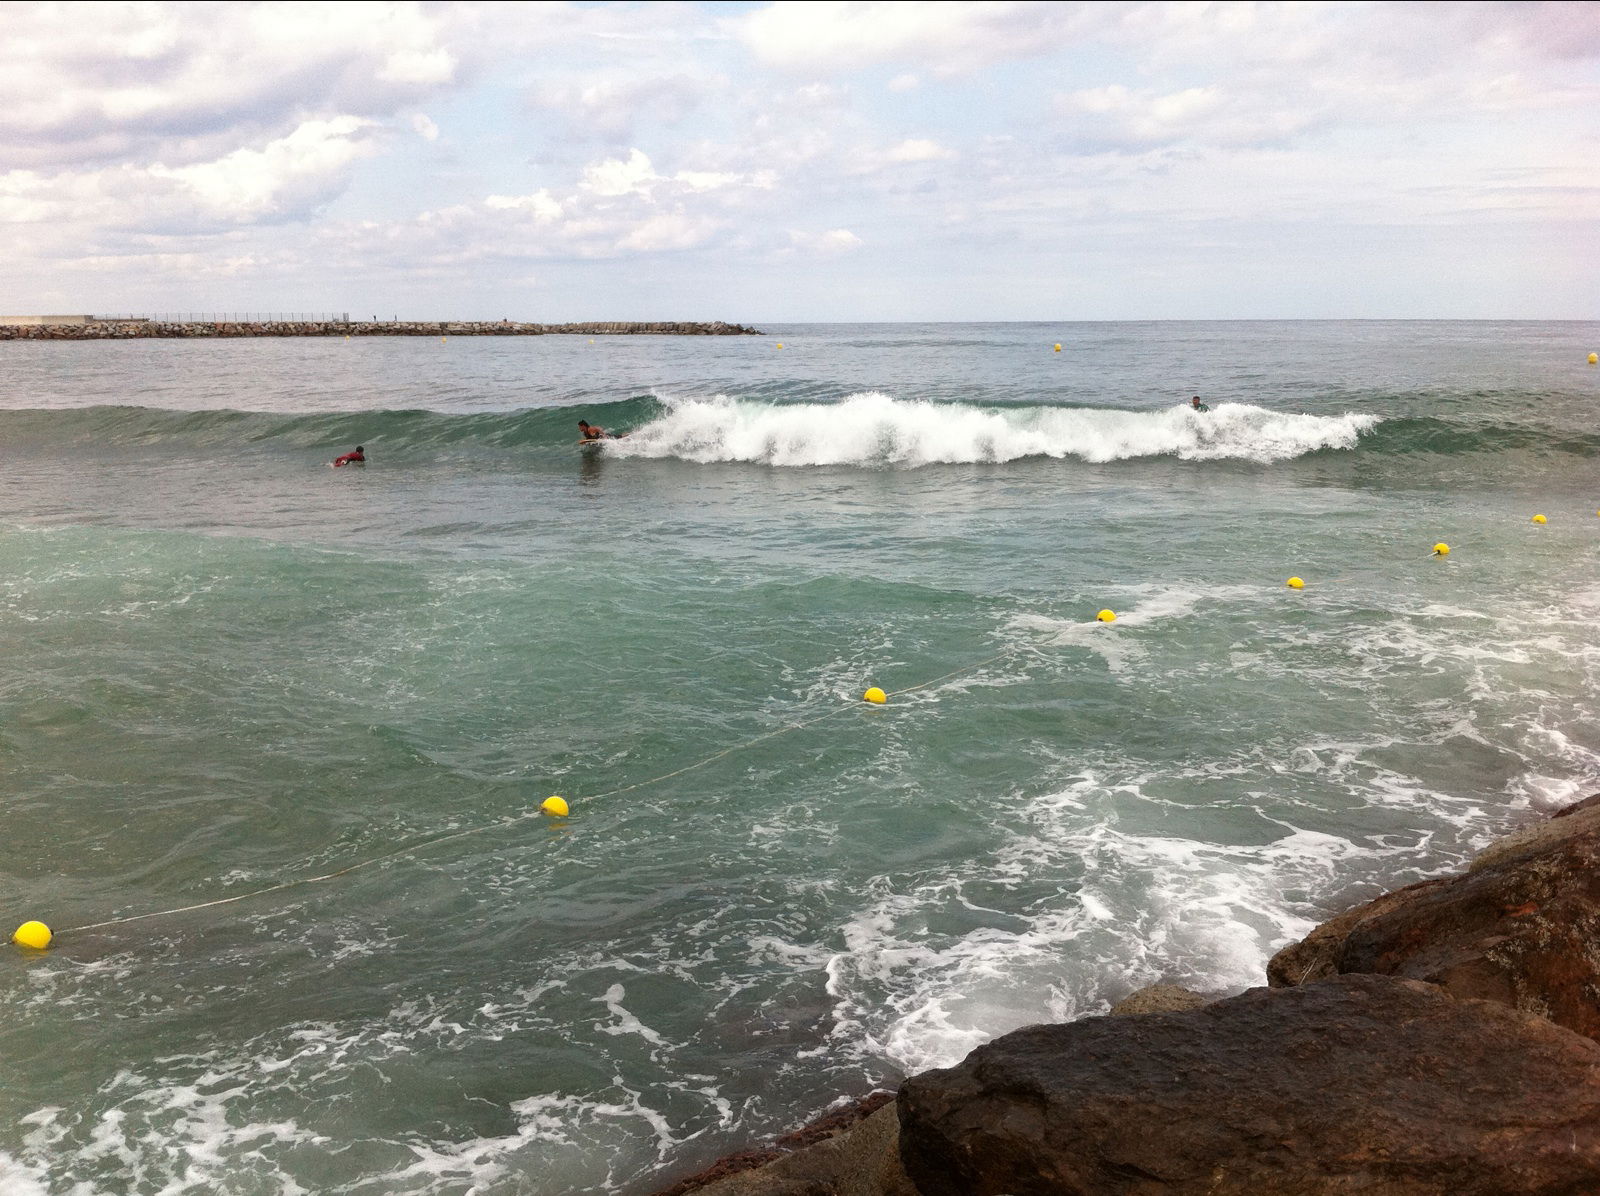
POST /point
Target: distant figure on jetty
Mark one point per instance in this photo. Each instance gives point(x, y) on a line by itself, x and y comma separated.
point(359, 457)
point(1197, 404)
point(590, 432)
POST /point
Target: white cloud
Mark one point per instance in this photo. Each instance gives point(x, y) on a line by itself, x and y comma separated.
point(905, 82)
point(833, 241)
point(541, 205)
point(613, 109)
point(614, 176)
point(424, 127)
point(666, 231)
point(918, 149)
point(418, 66)
point(953, 37)
point(282, 178)
point(92, 84)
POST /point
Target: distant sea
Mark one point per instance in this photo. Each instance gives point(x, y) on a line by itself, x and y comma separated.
point(224, 665)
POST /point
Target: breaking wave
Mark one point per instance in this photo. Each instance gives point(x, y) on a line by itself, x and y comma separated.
point(876, 429)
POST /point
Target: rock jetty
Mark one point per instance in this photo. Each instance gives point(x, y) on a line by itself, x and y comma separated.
point(1443, 1038)
point(96, 330)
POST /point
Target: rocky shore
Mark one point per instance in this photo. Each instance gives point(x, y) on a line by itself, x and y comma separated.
point(139, 329)
point(1439, 1039)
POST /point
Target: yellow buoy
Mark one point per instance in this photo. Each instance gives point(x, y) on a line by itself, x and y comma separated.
point(1540, 519)
point(1593, 358)
point(780, 344)
point(33, 934)
point(1295, 583)
point(441, 340)
point(876, 696)
point(1058, 348)
point(1441, 549)
point(554, 805)
point(1107, 616)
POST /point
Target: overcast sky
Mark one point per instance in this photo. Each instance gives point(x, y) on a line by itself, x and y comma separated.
point(803, 161)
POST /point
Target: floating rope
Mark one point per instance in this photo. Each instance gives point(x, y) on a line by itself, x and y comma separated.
point(436, 840)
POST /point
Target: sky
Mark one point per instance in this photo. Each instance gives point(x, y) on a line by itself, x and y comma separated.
point(810, 161)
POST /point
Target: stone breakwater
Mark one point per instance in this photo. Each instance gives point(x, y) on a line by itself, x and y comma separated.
point(1441, 1038)
point(99, 330)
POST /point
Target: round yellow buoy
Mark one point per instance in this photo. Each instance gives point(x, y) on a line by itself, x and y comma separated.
point(780, 344)
point(33, 934)
point(1058, 348)
point(441, 340)
point(554, 805)
point(1593, 358)
point(876, 696)
point(1295, 583)
point(1107, 616)
point(1441, 549)
point(1540, 519)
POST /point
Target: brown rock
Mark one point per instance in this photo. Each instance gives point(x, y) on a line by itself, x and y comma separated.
point(1521, 926)
point(850, 1152)
point(1157, 998)
point(1353, 1084)
point(863, 1160)
point(1316, 956)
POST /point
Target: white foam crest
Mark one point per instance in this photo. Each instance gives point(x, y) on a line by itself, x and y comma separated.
point(18, 1179)
point(876, 429)
point(1153, 604)
point(1145, 908)
point(627, 1022)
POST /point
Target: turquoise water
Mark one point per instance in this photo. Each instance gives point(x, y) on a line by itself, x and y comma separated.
point(224, 666)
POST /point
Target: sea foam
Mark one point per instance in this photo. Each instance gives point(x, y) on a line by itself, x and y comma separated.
point(877, 429)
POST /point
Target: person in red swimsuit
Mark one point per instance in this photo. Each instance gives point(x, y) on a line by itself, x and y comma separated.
point(359, 457)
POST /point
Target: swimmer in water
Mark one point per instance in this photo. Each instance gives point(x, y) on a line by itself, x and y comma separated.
point(1197, 404)
point(590, 432)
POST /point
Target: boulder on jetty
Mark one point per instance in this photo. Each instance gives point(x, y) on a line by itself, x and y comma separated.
point(1351, 1084)
point(1521, 926)
point(147, 329)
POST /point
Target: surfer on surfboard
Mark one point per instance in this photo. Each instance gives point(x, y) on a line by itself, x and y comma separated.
point(1197, 404)
point(589, 431)
point(359, 457)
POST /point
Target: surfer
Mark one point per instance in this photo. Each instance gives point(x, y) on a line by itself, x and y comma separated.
point(591, 432)
point(1197, 404)
point(359, 457)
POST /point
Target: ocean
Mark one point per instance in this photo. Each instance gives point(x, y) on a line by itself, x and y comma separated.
point(225, 667)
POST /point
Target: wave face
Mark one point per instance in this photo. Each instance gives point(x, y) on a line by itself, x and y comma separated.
point(875, 429)
point(870, 429)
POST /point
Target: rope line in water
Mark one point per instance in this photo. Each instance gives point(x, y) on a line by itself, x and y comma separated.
point(424, 844)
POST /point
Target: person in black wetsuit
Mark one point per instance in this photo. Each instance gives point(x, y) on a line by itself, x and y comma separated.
point(590, 432)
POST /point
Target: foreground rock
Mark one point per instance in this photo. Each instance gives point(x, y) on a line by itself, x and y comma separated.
point(1521, 927)
point(851, 1153)
point(1353, 1084)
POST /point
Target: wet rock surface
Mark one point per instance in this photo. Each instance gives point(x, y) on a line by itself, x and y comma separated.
point(1352, 1084)
point(1521, 926)
point(852, 1152)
